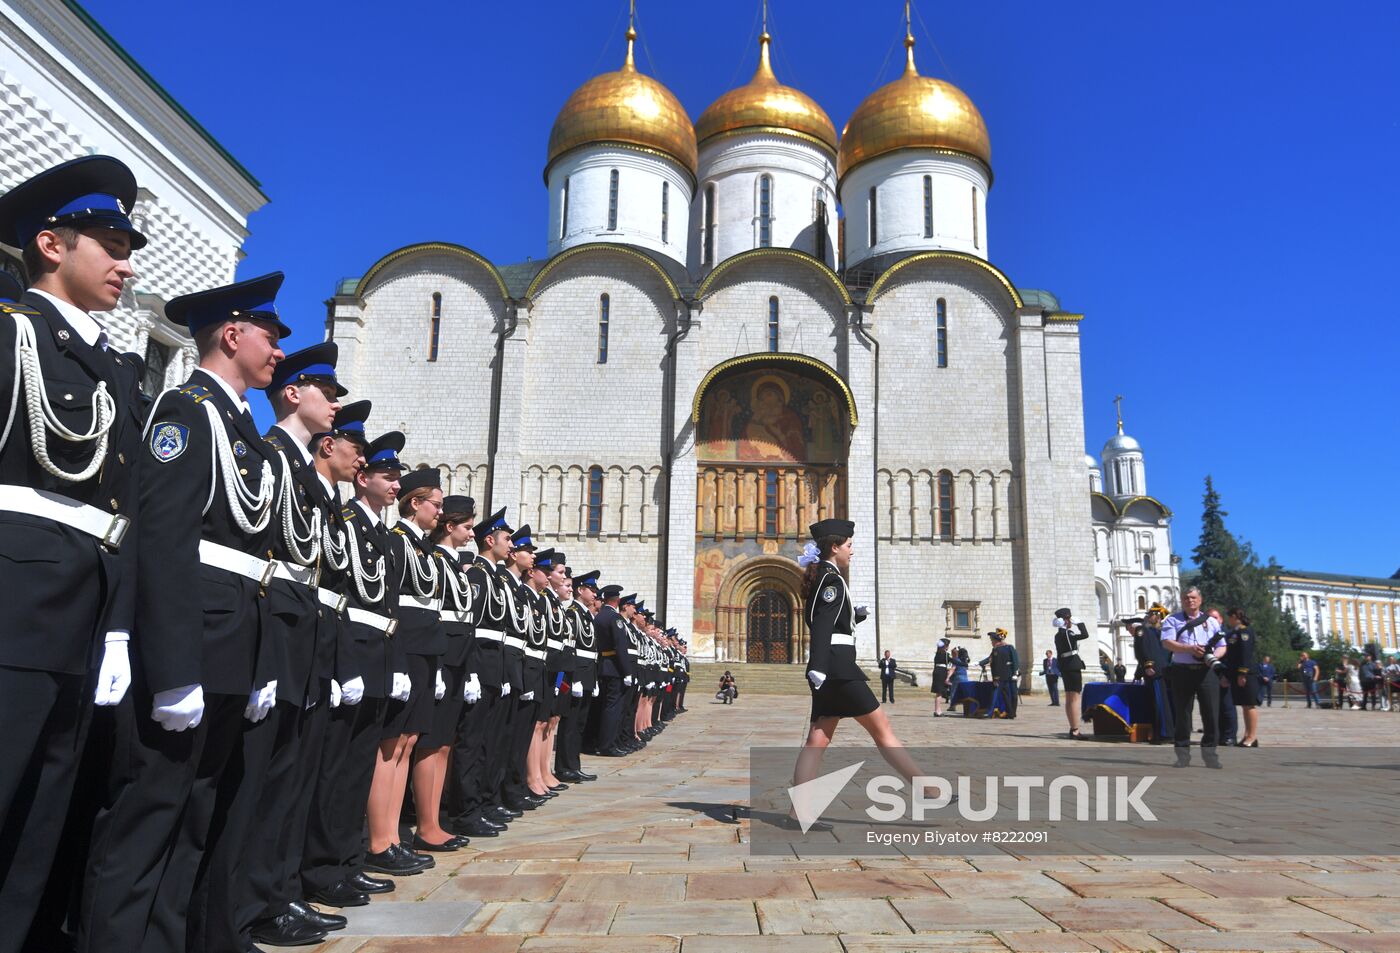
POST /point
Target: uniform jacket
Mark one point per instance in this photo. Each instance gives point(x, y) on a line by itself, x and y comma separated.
point(456, 609)
point(517, 620)
point(63, 589)
point(887, 667)
point(532, 662)
point(487, 657)
point(420, 630)
point(1005, 662)
point(376, 552)
point(342, 660)
point(614, 661)
point(1067, 647)
point(585, 669)
point(1240, 648)
point(829, 612)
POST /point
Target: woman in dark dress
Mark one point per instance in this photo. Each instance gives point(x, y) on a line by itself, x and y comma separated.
point(840, 689)
point(940, 677)
point(1242, 669)
point(1069, 632)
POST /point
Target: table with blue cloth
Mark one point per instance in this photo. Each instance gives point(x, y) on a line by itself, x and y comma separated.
point(979, 699)
point(1120, 706)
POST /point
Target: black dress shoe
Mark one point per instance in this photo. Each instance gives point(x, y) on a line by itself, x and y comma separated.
point(319, 920)
point(342, 894)
point(480, 827)
point(446, 847)
point(395, 863)
point(363, 881)
point(501, 810)
point(425, 859)
point(573, 777)
point(613, 753)
point(287, 930)
point(556, 788)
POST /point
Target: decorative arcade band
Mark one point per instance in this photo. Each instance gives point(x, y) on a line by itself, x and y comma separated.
point(217, 673)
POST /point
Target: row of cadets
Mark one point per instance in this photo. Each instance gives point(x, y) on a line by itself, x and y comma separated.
point(579, 636)
point(477, 765)
point(70, 440)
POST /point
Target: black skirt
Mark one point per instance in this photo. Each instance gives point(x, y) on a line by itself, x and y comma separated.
point(843, 698)
point(1248, 695)
point(414, 716)
point(1073, 680)
point(447, 711)
point(940, 681)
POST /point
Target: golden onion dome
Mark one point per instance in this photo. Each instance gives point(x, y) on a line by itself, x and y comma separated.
point(764, 104)
point(913, 112)
point(624, 107)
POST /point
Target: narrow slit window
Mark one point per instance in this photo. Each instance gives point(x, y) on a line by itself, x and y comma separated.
point(612, 201)
point(765, 211)
point(604, 306)
point(564, 211)
point(945, 504)
point(941, 333)
point(928, 206)
point(770, 503)
point(820, 222)
point(709, 236)
point(975, 242)
point(435, 327)
point(773, 324)
point(665, 211)
point(595, 501)
point(874, 219)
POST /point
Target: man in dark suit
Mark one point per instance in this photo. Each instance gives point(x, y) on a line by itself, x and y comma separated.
point(201, 613)
point(887, 667)
point(65, 504)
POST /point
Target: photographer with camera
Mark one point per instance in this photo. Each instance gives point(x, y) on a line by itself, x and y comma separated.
point(1194, 640)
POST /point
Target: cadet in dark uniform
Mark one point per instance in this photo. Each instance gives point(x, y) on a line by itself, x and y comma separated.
point(537, 650)
point(618, 674)
point(579, 636)
point(430, 759)
point(1242, 671)
point(558, 664)
point(201, 614)
point(478, 753)
point(1155, 661)
point(1006, 670)
point(1069, 632)
point(525, 669)
point(840, 689)
point(68, 455)
point(939, 682)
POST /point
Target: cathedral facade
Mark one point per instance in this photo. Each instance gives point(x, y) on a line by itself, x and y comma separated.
point(711, 358)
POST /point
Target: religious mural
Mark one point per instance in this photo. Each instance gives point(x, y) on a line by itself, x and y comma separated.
point(768, 416)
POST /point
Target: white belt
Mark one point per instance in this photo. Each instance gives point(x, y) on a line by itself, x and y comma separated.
point(374, 620)
point(105, 527)
point(512, 641)
point(586, 653)
point(239, 563)
point(332, 599)
point(307, 576)
point(840, 638)
point(535, 653)
point(455, 615)
point(411, 601)
point(491, 635)
point(633, 653)
point(555, 644)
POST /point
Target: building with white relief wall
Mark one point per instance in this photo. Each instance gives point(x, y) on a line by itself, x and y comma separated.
point(697, 371)
point(67, 89)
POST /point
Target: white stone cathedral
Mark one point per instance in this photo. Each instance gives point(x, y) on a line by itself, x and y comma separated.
point(711, 358)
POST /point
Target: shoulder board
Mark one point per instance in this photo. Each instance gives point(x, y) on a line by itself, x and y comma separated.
point(196, 392)
point(273, 441)
point(8, 308)
point(400, 530)
point(347, 512)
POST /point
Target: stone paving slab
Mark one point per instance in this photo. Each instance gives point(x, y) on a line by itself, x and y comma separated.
point(1361, 942)
point(688, 918)
point(854, 884)
point(1259, 913)
point(1252, 941)
point(747, 886)
point(929, 916)
point(929, 943)
point(829, 916)
point(427, 918)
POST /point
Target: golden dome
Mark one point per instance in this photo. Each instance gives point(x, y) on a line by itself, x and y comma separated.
point(765, 103)
point(626, 107)
point(913, 112)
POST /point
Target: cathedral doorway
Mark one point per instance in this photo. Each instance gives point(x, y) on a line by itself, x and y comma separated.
point(772, 435)
point(769, 628)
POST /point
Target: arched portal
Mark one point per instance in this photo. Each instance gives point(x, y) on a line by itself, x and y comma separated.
point(771, 445)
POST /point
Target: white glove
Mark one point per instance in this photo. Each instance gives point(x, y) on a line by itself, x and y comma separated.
point(353, 691)
point(403, 687)
point(650, 685)
point(627, 680)
point(595, 689)
point(505, 689)
point(114, 677)
point(471, 692)
point(1074, 620)
point(556, 689)
point(178, 708)
point(816, 678)
point(337, 693)
point(260, 702)
point(528, 697)
point(576, 689)
point(440, 688)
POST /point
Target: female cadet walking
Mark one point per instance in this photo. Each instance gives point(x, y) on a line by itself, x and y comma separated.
point(1243, 674)
point(839, 688)
point(1069, 632)
point(417, 643)
point(452, 531)
point(940, 677)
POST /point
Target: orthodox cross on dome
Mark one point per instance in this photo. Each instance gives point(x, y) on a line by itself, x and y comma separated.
point(630, 63)
point(765, 16)
point(1118, 404)
point(909, 68)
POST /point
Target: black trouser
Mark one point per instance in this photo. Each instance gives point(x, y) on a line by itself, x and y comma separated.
point(569, 738)
point(165, 811)
point(522, 728)
point(1227, 719)
point(45, 718)
point(886, 689)
point(475, 752)
point(335, 827)
point(612, 708)
point(1192, 684)
point(1009, 694)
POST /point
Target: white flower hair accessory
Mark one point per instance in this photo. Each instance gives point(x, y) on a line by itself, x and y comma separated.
point(810, 554)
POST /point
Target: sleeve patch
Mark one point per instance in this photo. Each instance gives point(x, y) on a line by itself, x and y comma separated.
point(169, 440)
point(829, 594)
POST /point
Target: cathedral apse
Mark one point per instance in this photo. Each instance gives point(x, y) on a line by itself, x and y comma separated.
point(771, 451)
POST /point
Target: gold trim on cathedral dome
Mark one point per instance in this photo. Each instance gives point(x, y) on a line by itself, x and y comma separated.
point(627, 107)
point(913, 112)
point(766, 105)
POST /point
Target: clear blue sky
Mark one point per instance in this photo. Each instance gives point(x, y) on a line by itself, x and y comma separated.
point(1214, 184)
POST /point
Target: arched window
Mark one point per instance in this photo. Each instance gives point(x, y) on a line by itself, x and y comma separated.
point(708, 239)
point(765, 211)
point(773, 324)
point(928, 206)
point(945, 504)
point(820, 222)
point(564, 211)
point(603, 308)
point(1147, 562)
point(770, 503)
point(974, 218)
point(595, 501)
point(612, 201)
point(665, 211)
point(941, 333)
point(1142, 602)
point(435, 328)
point(874, 224)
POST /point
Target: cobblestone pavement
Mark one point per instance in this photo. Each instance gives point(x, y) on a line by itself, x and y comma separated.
point(649, 858)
